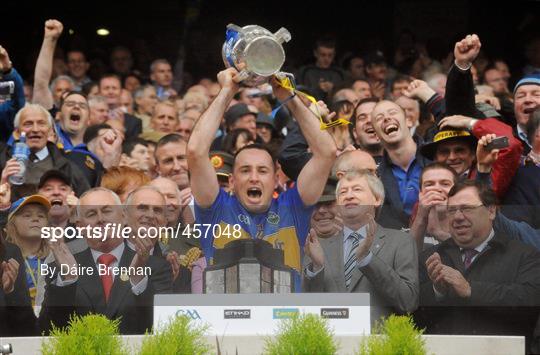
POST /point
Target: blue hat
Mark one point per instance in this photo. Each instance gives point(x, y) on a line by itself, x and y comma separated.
point(23, 201)
point(530, 79)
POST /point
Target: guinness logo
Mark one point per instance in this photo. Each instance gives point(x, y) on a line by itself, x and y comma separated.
point(335, 313)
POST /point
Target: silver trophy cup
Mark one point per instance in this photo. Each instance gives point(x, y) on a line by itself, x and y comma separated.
point(260, 50)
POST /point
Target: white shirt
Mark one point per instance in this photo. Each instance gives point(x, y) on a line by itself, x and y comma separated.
point(523, 135)
point(42, 154)
point(479, 248)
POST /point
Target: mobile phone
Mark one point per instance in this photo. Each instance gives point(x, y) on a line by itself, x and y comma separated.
point(498, 143)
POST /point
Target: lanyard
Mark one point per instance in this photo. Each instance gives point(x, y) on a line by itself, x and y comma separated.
point(30, 271)
point(285, 81)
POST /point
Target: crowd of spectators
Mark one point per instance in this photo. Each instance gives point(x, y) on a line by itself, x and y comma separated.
point(428, 198)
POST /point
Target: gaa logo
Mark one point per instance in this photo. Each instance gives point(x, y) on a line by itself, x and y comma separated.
point(237, 314)
point(191, 313)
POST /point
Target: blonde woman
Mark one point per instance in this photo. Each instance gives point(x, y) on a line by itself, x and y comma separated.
point(27, 216)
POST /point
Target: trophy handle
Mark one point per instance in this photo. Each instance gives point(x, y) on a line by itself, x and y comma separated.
point(242, 75)
point(232, 26)
point(283, 35)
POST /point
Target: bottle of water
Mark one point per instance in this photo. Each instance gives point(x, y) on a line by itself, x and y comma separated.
point(21, 152)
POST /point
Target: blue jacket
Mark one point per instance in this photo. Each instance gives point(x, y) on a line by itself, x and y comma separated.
point(9, 109)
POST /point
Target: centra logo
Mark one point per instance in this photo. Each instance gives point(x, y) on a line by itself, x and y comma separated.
point(191, 313)
point(284, 313)
point(237, 313)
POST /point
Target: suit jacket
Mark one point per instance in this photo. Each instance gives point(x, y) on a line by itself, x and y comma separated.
point(86, 296)
point(391, 278)
point(16, 314)
point(133, 126)
point(505, 291)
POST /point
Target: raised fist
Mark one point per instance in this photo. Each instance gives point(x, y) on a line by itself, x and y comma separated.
point(466, 50)
point(5, 63)
point(53, 29)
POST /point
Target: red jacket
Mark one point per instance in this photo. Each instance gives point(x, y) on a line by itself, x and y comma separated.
point(504, 168)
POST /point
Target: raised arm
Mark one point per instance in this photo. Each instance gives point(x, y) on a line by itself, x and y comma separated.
point(42, 76)
point(204, 183)
point(460, 95)
point(10, 107)
point(314, 174)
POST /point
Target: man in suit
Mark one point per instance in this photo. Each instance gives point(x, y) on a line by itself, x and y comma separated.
point(364, 257)
point(96, 287)
point(479, 281)
point(145, 208)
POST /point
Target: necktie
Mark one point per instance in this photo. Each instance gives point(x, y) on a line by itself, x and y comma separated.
point(33, 158)
point(469, 255)
point(106, 278)
point(351, 258)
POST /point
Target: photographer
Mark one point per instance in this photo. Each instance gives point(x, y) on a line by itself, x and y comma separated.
point(11, 94)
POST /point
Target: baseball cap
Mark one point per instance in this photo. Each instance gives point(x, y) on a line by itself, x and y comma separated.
point(20, 203)
point(329, 192)
point(222, 163)
point(53, 174)
point(530, 79)
point(235, 112)
point(428, 150)
point(374, 57)
point(265, 119)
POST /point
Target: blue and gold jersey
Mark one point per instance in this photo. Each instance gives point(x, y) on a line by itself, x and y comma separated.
point(285, 225)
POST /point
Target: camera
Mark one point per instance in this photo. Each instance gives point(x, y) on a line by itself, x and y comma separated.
point(7, 88)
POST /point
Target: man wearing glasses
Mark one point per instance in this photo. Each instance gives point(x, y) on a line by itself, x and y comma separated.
point(494, 280)
point(74, 113)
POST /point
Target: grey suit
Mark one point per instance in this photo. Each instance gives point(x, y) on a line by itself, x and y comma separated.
point(391, 278)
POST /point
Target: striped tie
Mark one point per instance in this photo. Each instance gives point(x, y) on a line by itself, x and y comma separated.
point(351, 259)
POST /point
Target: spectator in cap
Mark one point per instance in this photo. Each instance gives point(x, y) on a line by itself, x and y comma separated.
point(222, 162)
point(238, 116)
point(325, 220)
point(457, 149)
point(16, 312)
point(526, 100)
point(27, 216)
point(265, 127)
point(56, 187)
